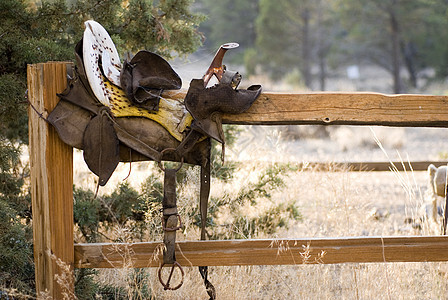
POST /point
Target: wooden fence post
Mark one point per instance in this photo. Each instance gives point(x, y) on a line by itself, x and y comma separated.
point(51, 164)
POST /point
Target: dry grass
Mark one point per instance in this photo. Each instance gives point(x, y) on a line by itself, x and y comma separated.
point(339, 203)
point(332, 204)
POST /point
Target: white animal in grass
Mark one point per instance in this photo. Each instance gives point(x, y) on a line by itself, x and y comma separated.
point(437, 186)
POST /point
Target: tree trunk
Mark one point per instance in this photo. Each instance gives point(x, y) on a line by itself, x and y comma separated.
point(322, 71)
point(323, 45)
point(395, 39)
point(306, 47)
point(409, 52)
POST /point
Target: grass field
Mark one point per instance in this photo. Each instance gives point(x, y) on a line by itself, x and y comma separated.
point(331, 204)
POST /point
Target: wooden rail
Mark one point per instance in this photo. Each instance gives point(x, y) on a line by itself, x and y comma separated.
point(346, 109)
point(267, 252)
point(337, 108)
point(52, 170)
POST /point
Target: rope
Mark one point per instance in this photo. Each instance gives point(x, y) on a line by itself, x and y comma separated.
point(39, 114)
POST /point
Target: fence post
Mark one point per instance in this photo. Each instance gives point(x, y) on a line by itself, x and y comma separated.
point(51, 164)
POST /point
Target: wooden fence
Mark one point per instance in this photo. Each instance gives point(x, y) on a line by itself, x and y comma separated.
point(52, 187)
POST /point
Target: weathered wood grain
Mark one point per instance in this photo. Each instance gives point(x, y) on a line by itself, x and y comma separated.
point(337, 108)
point(267, 252)
point(51, 163)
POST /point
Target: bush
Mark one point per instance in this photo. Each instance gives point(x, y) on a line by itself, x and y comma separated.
point(16, 249)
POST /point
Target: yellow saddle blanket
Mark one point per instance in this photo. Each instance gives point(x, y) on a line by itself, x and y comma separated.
point(172, 114)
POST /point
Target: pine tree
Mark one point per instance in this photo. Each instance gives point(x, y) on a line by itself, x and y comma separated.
point(277, 39)
point(295, 35)
point(396, 35)
point(230, 21)
point(40, 31)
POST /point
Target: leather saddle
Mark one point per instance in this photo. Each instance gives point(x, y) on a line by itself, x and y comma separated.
point(122, 113)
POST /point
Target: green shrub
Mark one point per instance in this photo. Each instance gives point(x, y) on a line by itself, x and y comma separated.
point(16, 250)
point(239, 225)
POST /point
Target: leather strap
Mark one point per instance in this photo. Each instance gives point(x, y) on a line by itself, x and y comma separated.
point(209, 287)
point(170, 216)
point(170, 220)
point(188, 142)
point(204, 194)
point(134, 143)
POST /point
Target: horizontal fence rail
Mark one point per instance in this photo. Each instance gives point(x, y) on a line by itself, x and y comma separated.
point(337, 108)
point(267, 252)
point(369, 166)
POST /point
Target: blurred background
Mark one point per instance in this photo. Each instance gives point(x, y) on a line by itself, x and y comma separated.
point(390, 46)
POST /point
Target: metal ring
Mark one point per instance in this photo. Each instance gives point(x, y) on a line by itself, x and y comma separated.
point(166, 285)
point(173, 150)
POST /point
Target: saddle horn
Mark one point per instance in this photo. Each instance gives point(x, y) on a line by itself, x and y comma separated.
point(216, 68)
